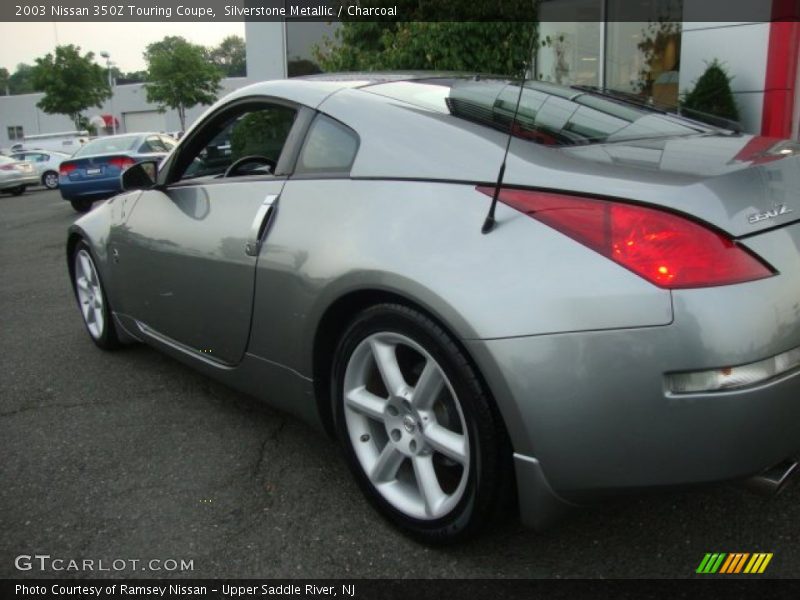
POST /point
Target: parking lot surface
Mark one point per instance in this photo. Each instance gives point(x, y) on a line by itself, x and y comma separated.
point(132, 456)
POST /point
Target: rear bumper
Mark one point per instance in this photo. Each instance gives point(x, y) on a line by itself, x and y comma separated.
point(594, 413)
point(92, 189)
point(593, 410)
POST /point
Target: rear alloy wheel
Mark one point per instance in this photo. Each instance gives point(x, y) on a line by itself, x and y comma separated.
point(50, 180)
point(81, 206)
point(92, 299)
point(418, 430)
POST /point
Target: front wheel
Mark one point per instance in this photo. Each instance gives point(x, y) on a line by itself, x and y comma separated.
point(50, 180)
point(81, 206)
point(92, 300)
point(419, 431)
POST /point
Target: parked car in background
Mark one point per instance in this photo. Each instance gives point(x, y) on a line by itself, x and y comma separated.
point(92, 173)
point(16, 175)
point(65, 141)
point(46, 165)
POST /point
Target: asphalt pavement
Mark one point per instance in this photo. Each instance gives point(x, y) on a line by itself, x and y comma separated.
point(132, 456)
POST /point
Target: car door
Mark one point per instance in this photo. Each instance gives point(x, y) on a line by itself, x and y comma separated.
point(32, 158)
point(39, 160)
point(185, 254)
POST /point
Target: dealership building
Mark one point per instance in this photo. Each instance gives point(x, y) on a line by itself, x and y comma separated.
point(662, 59)
point(604, 48)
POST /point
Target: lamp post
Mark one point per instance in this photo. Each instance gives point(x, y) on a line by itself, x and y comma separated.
point(107, 56)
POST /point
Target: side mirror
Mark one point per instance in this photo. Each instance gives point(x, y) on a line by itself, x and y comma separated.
point(141, 176)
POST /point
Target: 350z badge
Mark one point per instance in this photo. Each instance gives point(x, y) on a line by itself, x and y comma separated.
point(777, 211)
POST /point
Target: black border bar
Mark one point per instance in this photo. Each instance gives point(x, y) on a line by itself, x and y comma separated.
point(391, 589)
point(398, 10)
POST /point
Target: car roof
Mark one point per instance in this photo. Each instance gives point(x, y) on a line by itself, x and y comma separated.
point(312, 90)
point(373, 77)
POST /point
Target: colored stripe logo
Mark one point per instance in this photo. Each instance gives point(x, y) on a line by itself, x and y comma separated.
point(734, 563)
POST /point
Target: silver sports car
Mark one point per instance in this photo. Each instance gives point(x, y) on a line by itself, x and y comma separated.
point(630, 318)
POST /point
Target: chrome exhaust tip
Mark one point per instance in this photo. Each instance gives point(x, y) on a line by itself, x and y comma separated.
point(772, 481)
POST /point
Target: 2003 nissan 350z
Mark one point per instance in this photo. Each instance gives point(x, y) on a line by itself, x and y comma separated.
point(630, 319)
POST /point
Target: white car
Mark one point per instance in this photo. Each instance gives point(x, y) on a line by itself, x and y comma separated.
point(45, 163)
point(16, 175)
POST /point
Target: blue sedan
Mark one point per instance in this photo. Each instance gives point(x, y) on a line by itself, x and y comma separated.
point(93, 171)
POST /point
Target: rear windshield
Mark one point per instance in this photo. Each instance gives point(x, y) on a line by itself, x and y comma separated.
point(548, 114)
point(5, 160)
point(124, 143)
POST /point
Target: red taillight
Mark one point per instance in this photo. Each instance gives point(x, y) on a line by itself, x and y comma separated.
point(65, 169)
point(121, 162)
point(666, 249)
point(11, 167)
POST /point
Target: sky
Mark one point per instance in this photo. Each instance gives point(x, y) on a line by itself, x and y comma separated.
point(24, 42)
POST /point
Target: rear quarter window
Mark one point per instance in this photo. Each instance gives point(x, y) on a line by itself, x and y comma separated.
point(330, 147)
point(548, 114)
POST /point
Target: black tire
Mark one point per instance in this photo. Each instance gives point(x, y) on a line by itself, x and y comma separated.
point(18, 191)
point(81, 206)
point(489, 478)
point(104, 337)
point(50, 180)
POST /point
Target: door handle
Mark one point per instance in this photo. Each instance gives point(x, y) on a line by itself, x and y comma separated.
point(260, 221)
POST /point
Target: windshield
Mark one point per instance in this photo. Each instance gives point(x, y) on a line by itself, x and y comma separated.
point(548, 114)
point(124, 143)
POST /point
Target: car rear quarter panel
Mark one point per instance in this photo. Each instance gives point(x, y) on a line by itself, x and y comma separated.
point(422, 241)
point(594, 408)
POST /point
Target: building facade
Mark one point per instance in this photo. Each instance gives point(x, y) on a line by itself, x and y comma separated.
point(663, 59)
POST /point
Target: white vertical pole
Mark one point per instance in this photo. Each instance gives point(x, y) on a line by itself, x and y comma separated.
point(601, 59)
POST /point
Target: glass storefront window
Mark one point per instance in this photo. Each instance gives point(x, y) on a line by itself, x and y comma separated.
point(610, 50)
point(644, 58)
point(301, 37)
point(569, 53)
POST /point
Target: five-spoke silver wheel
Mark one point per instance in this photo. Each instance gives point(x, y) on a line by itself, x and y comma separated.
point(406, 426)
point(50, 180)
point(90, 294)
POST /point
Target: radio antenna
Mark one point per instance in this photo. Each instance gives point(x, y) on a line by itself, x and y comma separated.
point(489, 222)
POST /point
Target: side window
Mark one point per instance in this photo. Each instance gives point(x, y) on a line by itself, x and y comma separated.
point(153, 144)
point(260, 132)
point(15, 132)
point(330, 147)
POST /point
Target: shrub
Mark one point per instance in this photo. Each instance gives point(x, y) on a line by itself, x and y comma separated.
point(712, 93)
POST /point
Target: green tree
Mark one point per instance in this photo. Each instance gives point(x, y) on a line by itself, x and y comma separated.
point(71, 83)
point(261, 133)
point(21, 80)
point(230, 56)
point(712, 94)
point(179, 76)
point(498, 44)
point(121, 77)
